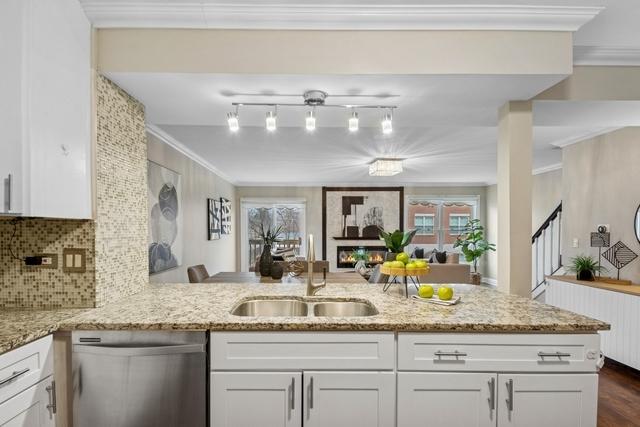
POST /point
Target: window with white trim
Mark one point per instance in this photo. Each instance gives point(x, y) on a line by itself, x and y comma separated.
point(457, 223)
point(424, 223)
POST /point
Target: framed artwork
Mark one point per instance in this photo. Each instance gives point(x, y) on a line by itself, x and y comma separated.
point(213, 210)
point(358, 213)
point(225, 216)
point(164, 193)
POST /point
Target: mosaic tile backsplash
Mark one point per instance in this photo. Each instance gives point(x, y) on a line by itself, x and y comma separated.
point(37, 287)
point(121, 195)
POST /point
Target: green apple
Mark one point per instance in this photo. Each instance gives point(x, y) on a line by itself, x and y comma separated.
point(404, 257)
point(386, 264)
point(420, 263)
point(445, 293)
point(411, 266)
point(397, 264)
point(425, 291)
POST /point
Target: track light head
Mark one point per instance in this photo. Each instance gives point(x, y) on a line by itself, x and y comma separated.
point(270, 121)
point(387, 124)
point(232, 120)
point(353, 122)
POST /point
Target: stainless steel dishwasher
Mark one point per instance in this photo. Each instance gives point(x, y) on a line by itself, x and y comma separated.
point(139, 379)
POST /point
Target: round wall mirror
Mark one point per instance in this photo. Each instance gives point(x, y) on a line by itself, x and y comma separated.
point(636, 224)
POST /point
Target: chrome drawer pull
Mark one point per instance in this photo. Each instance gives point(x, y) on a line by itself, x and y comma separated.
point(492, 394)
point(13, 376)
point(557, 354)
point(293, 393)
point(450, 353)
point(509, 385)
point(51, 390)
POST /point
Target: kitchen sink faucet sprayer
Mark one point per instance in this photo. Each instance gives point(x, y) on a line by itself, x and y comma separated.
point(311, 259)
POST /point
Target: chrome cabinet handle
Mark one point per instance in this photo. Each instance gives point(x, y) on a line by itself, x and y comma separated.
point(292, 391)
point(311, 393)
point(492, 393)
point(51, 390)
point(509, 385)
point(450, 353)
point(557, 354)
point(14, 376)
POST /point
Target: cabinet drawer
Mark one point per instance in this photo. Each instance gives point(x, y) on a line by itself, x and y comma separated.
point(498, 352)
point(302, 350)
point(25, 366)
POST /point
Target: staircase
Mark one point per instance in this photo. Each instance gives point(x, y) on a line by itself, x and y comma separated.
point(546, 256)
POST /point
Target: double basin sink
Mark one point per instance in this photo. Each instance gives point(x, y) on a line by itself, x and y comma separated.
point(303, 307)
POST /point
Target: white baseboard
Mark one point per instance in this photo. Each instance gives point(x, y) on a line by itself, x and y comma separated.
point(489, 281)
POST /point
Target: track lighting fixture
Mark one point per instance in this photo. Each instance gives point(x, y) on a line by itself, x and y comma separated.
point(310, 121)
point(387, 124)
point(232, 120)
point(270, 121)
point(353, 122)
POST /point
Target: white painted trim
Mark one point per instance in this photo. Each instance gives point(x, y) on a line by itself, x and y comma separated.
point(545, 169)
point(592, 134)
point(606, 55)
point(177, 145)
point(361, 184)
point(489, 281)
point(321, 16)
point(274, 200)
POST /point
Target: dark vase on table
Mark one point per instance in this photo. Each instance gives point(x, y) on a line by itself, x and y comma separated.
point(277, 271)
point(586, 275)
point(266, 261)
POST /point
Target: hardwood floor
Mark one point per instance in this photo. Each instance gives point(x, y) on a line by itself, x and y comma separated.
point(619, 396)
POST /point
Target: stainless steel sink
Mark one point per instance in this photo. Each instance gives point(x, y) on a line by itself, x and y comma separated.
point(271, 307)
point(344, 309)
point(302, 307)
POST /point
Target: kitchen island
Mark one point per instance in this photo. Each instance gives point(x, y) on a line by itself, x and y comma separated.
point(491, 360)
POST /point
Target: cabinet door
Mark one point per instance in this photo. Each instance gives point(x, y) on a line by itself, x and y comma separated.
point(346, 399)
point(435, 399)
point(30, 407)
point(12, 18)
point(558, 400)
point(256, 399)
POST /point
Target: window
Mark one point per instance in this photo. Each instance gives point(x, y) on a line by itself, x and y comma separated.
point(457, 223)
point(424, 223)
point(289, 214)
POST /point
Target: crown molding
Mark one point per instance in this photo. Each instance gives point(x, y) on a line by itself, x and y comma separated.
point(320, 16)
point(545, 169)
point(603, 55)
point(592, 134)
point(180, 147)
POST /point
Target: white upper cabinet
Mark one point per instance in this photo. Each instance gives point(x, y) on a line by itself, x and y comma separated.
point(45, 109)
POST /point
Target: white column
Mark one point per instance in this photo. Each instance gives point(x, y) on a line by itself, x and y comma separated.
point(515, 152)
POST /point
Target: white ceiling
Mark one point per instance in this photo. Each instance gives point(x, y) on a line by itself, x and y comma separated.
point(445, 126)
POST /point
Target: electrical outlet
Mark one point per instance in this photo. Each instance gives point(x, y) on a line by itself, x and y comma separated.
point(45, 261)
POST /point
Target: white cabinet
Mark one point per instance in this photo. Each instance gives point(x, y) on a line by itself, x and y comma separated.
point(446, 399)
point(32, 407)
point(558, 400)
point(45, 109)
point(346, 399)
point(256, 399)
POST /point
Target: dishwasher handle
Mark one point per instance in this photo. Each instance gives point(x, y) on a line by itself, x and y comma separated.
point(132, 351)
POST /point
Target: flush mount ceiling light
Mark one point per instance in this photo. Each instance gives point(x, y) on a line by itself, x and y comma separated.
point(315, 99)
point(385, 167)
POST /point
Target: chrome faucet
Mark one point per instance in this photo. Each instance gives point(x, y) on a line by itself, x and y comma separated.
point(312, 288)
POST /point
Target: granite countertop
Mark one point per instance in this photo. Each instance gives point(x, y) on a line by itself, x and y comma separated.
point(18, 327)
point(206, 306)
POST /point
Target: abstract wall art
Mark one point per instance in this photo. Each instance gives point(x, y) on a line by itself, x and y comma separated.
point(225, 216)
point(165, 218)
point(213, 215)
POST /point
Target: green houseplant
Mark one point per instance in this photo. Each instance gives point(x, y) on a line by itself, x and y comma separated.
point(585, 267)
point(269, 237)
point(396, 241)
point(473, 245)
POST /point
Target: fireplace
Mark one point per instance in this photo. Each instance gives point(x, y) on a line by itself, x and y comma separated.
point(347, 255)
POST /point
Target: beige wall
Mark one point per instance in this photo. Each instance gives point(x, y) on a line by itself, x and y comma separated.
point(198, 184)
point(600, 186)
point(546, 196)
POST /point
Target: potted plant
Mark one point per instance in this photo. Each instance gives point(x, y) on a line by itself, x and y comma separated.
point(396, 241)
point(585, 267)
point(473, 245)
point(269, 237)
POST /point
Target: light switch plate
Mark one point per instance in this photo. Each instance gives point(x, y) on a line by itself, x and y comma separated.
point(74, 260)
